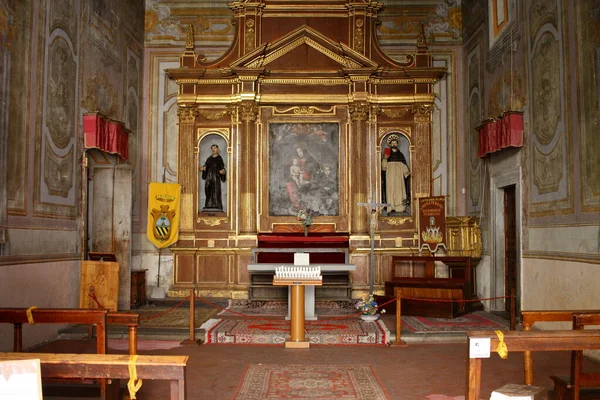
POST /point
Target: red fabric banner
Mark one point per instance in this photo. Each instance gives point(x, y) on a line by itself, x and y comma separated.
point(105, 134)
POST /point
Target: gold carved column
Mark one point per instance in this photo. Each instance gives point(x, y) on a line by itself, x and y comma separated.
point(359, 113)
point(248, 111)
point(422, 118)
point(186, 168)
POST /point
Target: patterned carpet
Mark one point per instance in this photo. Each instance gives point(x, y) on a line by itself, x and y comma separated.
point(314, 382)
point(340, 332)
point(279, 308)
point(478, 320)
point(158, 317)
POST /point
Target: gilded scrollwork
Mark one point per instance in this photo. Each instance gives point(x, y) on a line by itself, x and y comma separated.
point(250, 39)
point(216, 115)
point(212, 221)
point(304, 110)
point(396, 221)
point(394, 113)
point(359, 36)
point(189, 41)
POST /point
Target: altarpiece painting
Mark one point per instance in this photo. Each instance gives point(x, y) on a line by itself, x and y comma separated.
point(303, 168)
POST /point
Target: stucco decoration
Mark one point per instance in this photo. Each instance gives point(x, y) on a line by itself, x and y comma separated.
point(60, 98)
point(401, 22)
point(548, 169)
point(63, 15)
point(546, 79)
point(212, 22)
point(100, 96)
point(588, 42)
point(58, 172)
point(473, 137)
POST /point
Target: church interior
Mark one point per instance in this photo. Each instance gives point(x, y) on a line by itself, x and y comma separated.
point(444, 148)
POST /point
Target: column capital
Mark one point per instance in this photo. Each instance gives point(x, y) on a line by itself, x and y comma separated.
point(187, 114)
point(359, 111)
point(422, 112)
point(248, 111)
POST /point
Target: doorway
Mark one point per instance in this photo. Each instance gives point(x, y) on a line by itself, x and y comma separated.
point(510, 244)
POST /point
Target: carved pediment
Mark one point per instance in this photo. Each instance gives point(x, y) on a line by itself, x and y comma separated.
point(297, 41)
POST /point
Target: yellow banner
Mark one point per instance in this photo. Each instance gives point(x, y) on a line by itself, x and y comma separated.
point(163, 213)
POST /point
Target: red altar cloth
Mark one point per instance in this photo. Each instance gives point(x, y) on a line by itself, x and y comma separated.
point(105, 134)
point(296, 242)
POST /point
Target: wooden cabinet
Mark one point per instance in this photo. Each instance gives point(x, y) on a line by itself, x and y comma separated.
point(138, 287)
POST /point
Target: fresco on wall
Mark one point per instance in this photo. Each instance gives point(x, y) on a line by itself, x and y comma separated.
point(303, 168)
point(550, 151)
point(588, 40)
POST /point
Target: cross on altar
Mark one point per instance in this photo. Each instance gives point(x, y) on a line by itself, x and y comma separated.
point(372, 225)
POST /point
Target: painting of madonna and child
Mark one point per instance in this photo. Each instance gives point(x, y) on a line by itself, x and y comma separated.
point(303, 168)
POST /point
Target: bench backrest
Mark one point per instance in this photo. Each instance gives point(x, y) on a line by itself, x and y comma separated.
point(579, 378)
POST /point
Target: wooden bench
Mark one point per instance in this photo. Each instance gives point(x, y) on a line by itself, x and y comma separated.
point(565, 340)
point(568, 388)
point(111, 366)
point(532, 316)
point(18, 317)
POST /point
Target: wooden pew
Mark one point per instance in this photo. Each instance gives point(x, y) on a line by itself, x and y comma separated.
point(111, 366)
point(18, 317)
point(526, 341)
point(532, 316)
point(568, 388)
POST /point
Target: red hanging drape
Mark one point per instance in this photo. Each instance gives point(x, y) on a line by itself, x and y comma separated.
point(105, 134)
point(497, 134)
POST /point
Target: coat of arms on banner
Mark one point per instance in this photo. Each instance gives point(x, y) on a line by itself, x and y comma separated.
point(161, 219)
point(163, 213)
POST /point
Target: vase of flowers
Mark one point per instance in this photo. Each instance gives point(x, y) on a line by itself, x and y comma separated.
point(306, 216)
point(368, 308)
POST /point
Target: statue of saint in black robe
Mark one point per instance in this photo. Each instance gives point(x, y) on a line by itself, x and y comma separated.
point(213, 173)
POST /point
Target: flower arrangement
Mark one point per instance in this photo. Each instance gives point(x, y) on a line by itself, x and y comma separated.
point(368, 306)
point(306, 216)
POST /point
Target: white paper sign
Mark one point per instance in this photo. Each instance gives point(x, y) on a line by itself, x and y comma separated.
point(301, 259)
point(479, 347)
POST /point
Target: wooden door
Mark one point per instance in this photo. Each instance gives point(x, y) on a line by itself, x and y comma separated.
point(510, 242)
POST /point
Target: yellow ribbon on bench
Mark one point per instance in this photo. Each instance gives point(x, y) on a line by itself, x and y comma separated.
point(134, 383)
point(30, 315)
point(501, 349)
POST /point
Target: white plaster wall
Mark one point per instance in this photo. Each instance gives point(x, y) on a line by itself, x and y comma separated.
point(45, 285)
point(147, 258)
point(559, 285)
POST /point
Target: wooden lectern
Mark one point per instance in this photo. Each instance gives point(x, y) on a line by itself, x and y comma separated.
point(297, 277)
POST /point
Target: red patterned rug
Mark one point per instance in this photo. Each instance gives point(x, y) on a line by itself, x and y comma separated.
point(340, 332)
point(476, 321)
point(314, 382)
